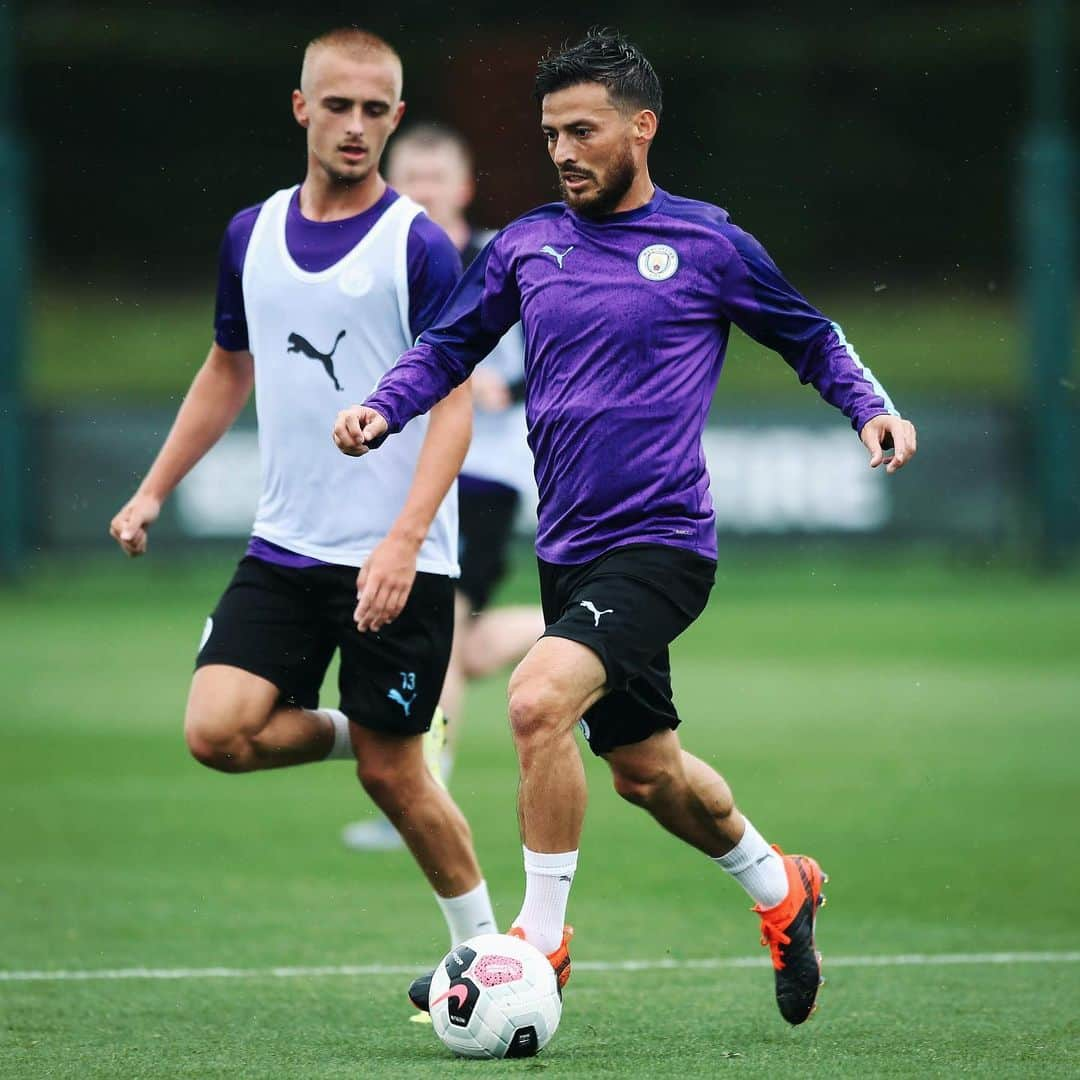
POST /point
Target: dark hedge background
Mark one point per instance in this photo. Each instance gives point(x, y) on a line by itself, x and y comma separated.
point(860, 141)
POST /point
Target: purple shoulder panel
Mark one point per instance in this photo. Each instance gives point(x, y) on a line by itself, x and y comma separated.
point(230, 322)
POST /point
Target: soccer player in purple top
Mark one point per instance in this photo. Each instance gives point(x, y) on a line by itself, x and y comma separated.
point(626, 295)
point(321, 288)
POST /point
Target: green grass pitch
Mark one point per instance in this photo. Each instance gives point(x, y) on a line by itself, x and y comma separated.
point(913, 728)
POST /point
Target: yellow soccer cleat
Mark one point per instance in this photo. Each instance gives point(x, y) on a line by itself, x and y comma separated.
point(435, 745)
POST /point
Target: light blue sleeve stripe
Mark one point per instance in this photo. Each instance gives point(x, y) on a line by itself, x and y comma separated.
point(870, 377)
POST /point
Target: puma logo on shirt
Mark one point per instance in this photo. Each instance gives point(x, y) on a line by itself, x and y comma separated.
point(300, 344)
point(558, 256)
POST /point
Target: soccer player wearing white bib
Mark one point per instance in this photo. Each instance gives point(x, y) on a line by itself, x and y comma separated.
point(321, 287)
point(432, 164)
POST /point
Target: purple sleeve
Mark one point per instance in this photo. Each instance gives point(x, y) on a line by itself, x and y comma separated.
point(485, 304)
point(230, 321)
point(434, 270)
point(755, 296)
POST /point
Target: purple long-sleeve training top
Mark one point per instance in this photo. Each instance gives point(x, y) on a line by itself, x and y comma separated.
point(626, 322)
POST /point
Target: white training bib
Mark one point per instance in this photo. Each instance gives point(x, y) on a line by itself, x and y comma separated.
point(322, 341)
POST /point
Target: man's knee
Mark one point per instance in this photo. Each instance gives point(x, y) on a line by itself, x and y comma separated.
point(551, 688)
point(226, 710)
point(217, 744)
point(537, 709)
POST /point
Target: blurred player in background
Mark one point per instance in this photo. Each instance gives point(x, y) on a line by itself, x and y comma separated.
point(626, 296)
point(321, 287)
point(432, 165)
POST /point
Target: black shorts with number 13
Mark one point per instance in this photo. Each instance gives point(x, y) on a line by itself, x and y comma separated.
point(284, 623)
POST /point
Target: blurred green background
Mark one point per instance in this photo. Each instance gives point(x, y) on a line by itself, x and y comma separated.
point(886, 154)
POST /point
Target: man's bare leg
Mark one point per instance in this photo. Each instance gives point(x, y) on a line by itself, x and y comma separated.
point(394, 774)
point(482, 645)
point(693, 801)
point(685, 795)
point(235, 723)
point(549, 691)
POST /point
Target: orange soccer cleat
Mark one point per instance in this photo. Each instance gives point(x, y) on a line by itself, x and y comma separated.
point(788, 930)
point(559, 959)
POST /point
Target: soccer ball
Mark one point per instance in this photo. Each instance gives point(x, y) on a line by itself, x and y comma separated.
point(495, 996)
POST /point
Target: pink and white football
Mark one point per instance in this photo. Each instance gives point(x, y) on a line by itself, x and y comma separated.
point(495, 996)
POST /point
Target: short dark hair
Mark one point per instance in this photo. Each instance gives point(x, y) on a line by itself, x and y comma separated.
point(603, 56)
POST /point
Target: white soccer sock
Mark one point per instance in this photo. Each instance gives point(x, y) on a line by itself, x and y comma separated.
point(446, 766)
point(468, 914)
point(547, 889)
point(342, 749)
point(757, 868)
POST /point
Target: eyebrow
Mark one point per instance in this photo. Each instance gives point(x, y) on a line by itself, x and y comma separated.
point(581, 120)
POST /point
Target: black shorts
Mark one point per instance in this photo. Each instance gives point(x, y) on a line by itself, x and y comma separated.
point(486, 513)
point(628, 606)
point(284, 624)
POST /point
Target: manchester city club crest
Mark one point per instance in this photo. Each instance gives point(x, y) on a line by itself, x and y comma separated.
point(657, 262)
point(356, 279)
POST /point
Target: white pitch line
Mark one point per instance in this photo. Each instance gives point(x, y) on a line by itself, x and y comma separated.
point(706, 964)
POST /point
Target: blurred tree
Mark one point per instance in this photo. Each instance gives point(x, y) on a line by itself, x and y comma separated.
point(873, 144)
point(13, 288)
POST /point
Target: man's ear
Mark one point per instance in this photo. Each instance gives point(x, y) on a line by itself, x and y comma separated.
point(299, 108)
point(645, 125)
point(399, 112)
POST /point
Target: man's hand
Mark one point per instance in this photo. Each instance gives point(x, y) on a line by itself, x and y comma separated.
point(129, 527)
point(884, 433)
point(356, 428)
point(384, 582)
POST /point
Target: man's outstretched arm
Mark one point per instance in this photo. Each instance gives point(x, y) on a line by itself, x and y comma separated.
point(481, 309)
point(758, 299)
point(217, 394)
